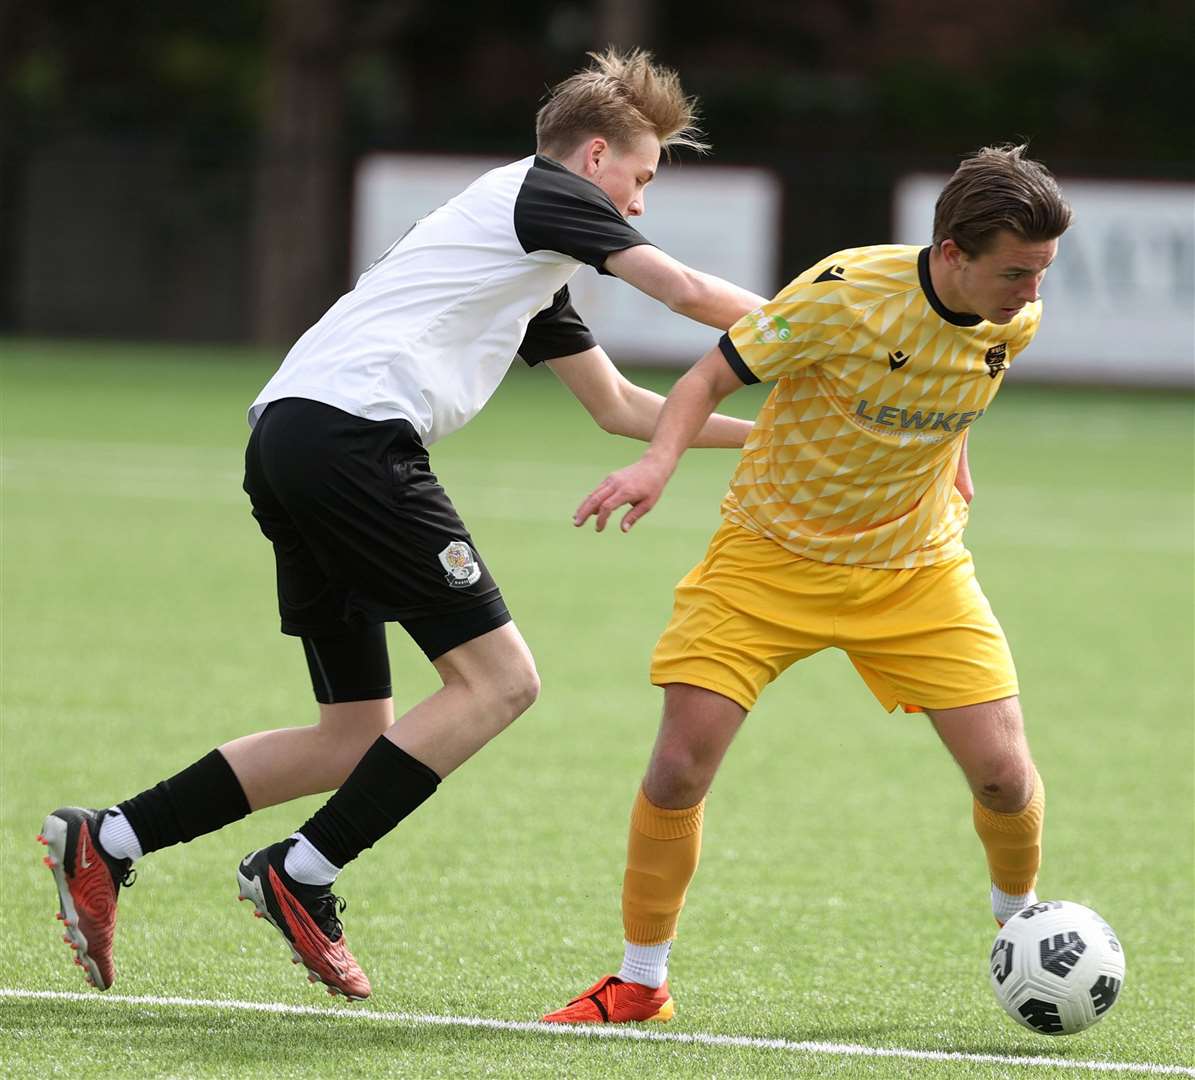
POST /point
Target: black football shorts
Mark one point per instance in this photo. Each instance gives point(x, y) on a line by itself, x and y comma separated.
point(363, 533)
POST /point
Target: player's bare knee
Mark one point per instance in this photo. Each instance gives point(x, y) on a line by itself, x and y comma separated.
point(511, 692)
point(679, 774)
point(523, 691)
point(674, 791)
point(1006, 788)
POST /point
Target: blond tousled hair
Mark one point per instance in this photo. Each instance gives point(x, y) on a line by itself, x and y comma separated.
point(619, 97)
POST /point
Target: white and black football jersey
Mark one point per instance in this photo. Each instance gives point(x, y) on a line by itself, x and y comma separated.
point(430, 328)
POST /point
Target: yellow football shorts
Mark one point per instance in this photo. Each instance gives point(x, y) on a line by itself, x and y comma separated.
point(921, 638)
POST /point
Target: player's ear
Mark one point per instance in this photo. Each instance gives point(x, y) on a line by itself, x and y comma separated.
point(952, 253)
point(594, 152)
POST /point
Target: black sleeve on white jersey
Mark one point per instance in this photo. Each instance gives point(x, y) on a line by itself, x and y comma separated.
point(555, 331)
point(557, 210)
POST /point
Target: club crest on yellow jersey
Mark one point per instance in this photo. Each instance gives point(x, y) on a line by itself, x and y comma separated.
point(997, 358)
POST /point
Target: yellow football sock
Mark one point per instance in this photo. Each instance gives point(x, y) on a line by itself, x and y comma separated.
point(1013, 841)
point(662, 855)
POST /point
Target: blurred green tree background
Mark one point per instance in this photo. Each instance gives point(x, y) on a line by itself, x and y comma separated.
point(184, 170)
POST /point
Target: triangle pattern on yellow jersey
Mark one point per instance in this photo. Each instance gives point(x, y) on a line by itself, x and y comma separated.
point(851, 461)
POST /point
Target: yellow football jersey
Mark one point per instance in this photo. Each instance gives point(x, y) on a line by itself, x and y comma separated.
point(853, 456)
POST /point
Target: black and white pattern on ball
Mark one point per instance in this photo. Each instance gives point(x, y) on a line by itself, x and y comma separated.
point(1110, 936)
point(1056, 968)
point(1060, 953)
point(1039, 909)
point(1104, 993)
point(1002, 954)
point(1041, 1015)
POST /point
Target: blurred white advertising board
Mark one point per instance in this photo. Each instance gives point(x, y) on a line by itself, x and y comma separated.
point(723, 220)
point(1120, 298)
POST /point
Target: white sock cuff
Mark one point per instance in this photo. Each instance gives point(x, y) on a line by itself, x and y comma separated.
point(646, 964)
point(306, 864)
point(1006, 905)
point(117, 836)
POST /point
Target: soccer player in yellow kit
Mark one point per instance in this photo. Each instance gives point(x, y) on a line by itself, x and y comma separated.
point(843, 527)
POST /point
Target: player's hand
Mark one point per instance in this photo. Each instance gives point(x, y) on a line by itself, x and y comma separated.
point(638, 486)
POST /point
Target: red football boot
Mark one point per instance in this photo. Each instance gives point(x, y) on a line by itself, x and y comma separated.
point(307, 916)
point(612, 1001)
point(88, 882)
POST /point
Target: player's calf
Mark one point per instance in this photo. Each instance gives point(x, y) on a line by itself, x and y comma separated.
point(1013, 844)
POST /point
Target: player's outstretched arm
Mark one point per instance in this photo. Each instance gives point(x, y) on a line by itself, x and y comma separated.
point(702, 297)
point(685, 411)
point(621, 407)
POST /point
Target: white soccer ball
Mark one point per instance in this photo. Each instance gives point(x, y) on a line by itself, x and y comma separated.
point(1057, 967)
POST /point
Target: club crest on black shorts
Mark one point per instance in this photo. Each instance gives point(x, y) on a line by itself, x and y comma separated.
point(461, 565)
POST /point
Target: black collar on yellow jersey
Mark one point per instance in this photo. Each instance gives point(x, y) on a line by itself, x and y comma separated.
point(927, 287)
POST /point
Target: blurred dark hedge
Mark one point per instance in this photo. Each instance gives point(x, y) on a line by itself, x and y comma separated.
point(182, 169)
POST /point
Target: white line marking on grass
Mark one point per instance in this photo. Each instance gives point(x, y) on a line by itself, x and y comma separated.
point(750, 1042)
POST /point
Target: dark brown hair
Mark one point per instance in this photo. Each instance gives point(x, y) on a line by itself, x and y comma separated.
point(999, 188)
point(619, 96)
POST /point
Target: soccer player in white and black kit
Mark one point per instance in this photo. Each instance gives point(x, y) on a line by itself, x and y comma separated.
point(337, 471)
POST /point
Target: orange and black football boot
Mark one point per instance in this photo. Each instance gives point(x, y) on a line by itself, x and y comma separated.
point(88, 881)
point(613, 1001)
point(307, 916)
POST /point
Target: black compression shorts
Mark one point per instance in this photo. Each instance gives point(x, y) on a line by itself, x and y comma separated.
point(363, 533)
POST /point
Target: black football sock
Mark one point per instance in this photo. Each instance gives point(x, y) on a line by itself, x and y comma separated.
point(386, 786)
point(202, 798)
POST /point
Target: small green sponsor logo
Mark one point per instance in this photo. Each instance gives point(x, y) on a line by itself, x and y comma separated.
point(769, 330)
